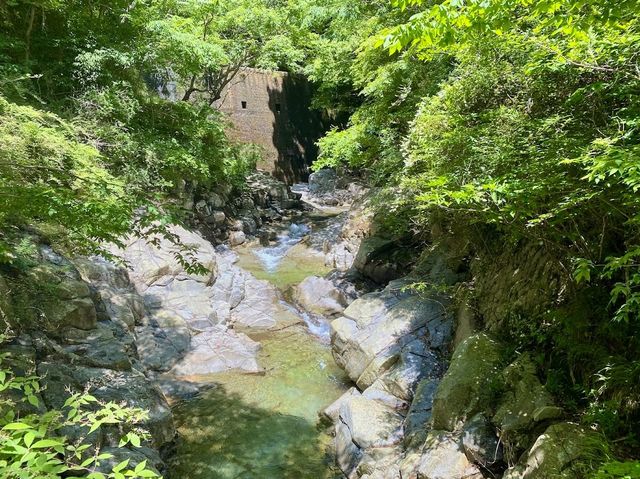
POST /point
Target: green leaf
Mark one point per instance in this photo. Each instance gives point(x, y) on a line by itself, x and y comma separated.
point(16, 426)
point(45, 443)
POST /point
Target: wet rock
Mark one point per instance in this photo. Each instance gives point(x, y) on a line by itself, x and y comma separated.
point(444, 458)
point(320, 296)
point(464, 389)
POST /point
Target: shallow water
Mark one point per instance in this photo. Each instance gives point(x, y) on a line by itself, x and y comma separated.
point(291, 259)
point(266, 426)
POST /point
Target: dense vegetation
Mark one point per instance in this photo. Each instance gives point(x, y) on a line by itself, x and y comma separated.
point(515, 118)
point(518, 119)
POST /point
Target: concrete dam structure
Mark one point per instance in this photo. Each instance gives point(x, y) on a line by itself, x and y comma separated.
point(273, 110)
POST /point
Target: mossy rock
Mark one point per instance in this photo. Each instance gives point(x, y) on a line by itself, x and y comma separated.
point(557, 454)
point(466, 387)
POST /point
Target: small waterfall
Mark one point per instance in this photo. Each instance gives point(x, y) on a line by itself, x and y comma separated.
point(271, 256)
point(316, 324)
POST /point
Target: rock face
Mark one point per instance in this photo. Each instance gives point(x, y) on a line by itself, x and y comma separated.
point(320, 296)
point(387, 342)
point(230, 216)
point(86, 343)
point(189, 316)
point(110, 330)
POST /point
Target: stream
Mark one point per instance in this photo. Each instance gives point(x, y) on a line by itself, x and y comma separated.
point(267, 425)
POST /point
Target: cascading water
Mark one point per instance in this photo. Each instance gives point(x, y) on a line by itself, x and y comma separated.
point(272, 256)
point(265, 425)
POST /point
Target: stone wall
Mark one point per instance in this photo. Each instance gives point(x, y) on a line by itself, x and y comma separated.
point(273, 110)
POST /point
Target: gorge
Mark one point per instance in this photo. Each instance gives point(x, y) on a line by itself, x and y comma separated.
point(319, 239)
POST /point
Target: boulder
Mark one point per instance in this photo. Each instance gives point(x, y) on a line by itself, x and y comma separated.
point(369, 339)
point(481, 444)
point(348, 454)
point(258, 308)
point(74, 313)
point(236, 238)
point(556, 454)
point(524, 403)
point(216, 350)
point(332, 411)
point(371, 423)
point(106, 346)
point(464, 389)
point(444, 458)
point(323, 181)
point(216, 200)
point(320, 296)
point(374, 261)
point(364, 424)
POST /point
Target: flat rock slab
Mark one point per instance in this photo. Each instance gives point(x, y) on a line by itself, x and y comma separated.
point(216, 350)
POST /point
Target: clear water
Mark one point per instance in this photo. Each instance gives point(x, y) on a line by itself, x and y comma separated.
point(266, 426)
point(271, 256)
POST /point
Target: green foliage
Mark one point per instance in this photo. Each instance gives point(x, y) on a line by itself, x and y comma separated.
point(520, 119)
point(48, 175)
point(32, 446)
point(618, 470)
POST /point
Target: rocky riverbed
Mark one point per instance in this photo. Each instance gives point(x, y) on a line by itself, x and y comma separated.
point(312, 351)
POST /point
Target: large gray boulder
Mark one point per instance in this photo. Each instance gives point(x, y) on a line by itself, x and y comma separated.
point(465, 388)
point(368, 340)
point(364, 425)
point(444, 458)
point(217, 350)
point(320, 296)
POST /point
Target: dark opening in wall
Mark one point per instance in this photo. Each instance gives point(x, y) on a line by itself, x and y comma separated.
point(278, 107)
point(244, 105)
